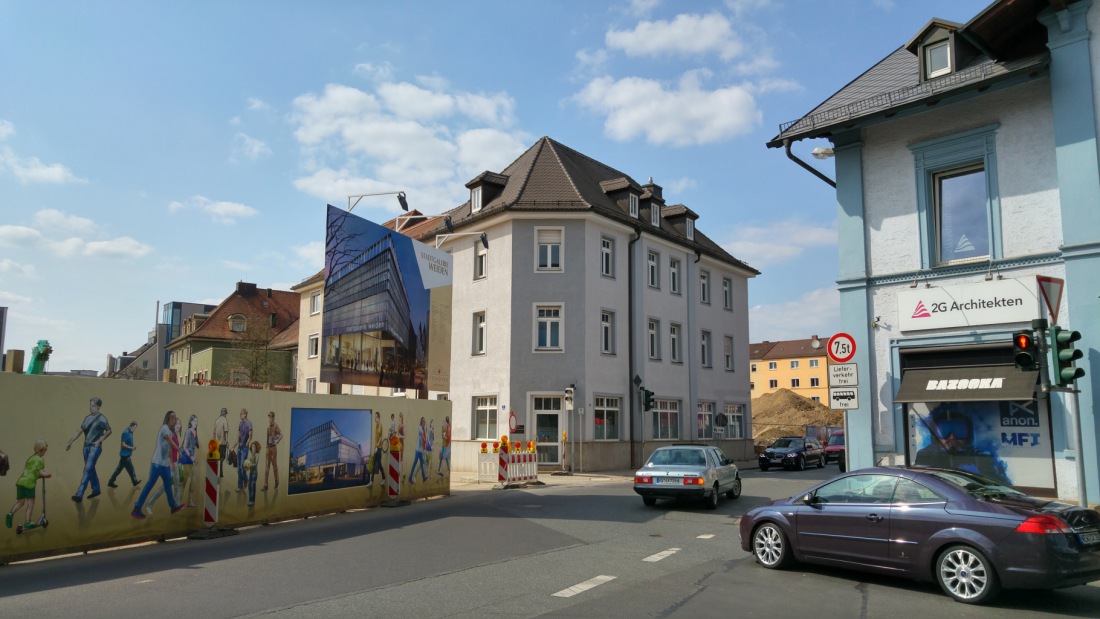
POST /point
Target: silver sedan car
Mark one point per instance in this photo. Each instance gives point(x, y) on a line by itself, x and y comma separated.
point(688, 471)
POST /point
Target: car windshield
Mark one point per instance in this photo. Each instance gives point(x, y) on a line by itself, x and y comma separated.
point(784, 443)
point(677, 457)
point(836, 439)
point(976, 485)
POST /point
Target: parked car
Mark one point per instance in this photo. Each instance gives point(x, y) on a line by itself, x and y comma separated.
point(970, 534)
point(688, 471)
point(834, 447)
point(792, 452)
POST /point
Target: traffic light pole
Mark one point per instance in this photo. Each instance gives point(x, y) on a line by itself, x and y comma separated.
point(1072, 406)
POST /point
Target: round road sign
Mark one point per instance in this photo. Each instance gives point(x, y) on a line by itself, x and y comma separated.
point(512, 422)
point(842, 347)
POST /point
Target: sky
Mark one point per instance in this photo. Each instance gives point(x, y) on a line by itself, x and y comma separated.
point(154, 152)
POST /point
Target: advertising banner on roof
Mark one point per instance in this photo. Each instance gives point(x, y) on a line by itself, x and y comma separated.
point(386, 318)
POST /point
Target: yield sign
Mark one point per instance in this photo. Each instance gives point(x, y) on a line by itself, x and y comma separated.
point(1051, 288)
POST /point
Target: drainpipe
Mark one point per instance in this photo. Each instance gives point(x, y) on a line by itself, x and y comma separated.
point(813, 170)
point(632, 389)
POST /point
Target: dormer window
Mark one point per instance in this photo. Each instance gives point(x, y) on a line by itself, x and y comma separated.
point(475, 199)
point(689, 227)
point(633, 205)
point(937, 59)
point(237, 323)
point(655, 214)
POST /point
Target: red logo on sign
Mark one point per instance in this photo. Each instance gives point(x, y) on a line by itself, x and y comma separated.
point(921, 311)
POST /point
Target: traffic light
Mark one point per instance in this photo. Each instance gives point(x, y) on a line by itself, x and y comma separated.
point(568, 398)
point(1023, 350)
point(1065, 355)
point(647, 400)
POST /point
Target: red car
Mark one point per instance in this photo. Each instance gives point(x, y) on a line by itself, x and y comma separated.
point(834, 447)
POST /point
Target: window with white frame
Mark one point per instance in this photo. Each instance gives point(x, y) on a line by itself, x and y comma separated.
point(794, 364)
point(795, 383)
point(653, 261)
point(674, 276)
point(772, 365)
point(607, 332)
point(773, 384)
point(654, 334)
point(315, 302)
point(607, 256)
point(674, 342)
point(314, 345)
point(815, 382)
point(549, 241)
point(237, 323)
point(735, 420)
point(704, 348)
point(727, 293)
point(958, 204)
point(704, 420)
point(606, 417)
point(814, 363)
point(481, 260)
point(485, 417)
point(727, 352)
point(633, 199)
point(654, 213)
point(311, 385)
point(666, 419)
point(479, 333)
point(689, 226)
point(475, 199)
point(752, 367)
point(548, 327)
point(937, 59)
point(704, 286)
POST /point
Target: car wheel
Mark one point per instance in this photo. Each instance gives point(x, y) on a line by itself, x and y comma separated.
point(649, 501)
point(821, 462)
point(843, 466)
point(966, 575)
point(800, 464)
point(764, 467)
point(711, 502)
point(735, 491)
point(769, 546)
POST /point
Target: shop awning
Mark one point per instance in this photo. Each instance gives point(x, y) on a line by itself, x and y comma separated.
point(967, 384)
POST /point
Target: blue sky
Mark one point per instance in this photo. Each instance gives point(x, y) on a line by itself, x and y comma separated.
point(162, 152)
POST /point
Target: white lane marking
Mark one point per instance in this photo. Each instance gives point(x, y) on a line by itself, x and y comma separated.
point(584, 586)
point(661, 555)
point(706, 536)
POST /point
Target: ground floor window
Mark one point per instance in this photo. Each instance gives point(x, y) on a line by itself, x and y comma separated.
point(704, 420)
point(485, 417)
point(606, 418)
point(548, 426)
point(666, 419)
point(735, 420)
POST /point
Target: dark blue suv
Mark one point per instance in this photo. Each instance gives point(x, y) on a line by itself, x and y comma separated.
point(792, 452)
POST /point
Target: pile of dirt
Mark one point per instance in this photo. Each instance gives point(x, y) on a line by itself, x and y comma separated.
point(785, 413)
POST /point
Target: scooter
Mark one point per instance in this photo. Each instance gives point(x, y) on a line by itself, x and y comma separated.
point(42, 521)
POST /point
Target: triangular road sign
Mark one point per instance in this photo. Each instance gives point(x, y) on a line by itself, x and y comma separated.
point(1051, 289)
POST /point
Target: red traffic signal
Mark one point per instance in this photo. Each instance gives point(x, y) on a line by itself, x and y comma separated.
point(1023, 350)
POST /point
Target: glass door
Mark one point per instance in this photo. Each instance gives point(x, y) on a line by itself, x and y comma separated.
point(548, 427)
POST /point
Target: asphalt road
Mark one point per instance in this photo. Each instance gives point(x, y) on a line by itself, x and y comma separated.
point(579, 547)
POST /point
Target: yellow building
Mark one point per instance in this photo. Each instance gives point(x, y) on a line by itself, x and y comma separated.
point(797, 365)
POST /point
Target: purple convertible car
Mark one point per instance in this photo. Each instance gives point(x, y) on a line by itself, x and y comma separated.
point(970, 534)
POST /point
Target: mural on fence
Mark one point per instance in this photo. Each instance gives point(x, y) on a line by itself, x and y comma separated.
point(117, 459)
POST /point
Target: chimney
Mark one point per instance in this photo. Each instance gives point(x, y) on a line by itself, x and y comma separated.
point(246, 289)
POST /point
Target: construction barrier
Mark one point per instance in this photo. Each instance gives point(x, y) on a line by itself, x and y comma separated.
point(502, 464)
point(393, 480)
point(210, 498)
point(522, 467)
point(486, 467)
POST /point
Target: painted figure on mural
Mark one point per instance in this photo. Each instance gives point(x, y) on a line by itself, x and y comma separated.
point(428, 445)
point(418, 456)
point(96, 430)
point(952, 446)
point(244, 439)
point(160, 468)
point(221, 434)
point(380, 445)
point(445, 451)
point(125, 451)
point(251, 467)
point(173, 466)
point(27, 483)
point(187, 460)
point(274, 436)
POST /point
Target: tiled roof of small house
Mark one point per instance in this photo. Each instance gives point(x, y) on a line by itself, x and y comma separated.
point(287, 338)
point(254, 304)
point(793, 349)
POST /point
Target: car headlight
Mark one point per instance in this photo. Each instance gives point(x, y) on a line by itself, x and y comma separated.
point(792, 455)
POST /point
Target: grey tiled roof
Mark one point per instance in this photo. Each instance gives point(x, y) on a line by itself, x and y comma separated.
point(552, 177)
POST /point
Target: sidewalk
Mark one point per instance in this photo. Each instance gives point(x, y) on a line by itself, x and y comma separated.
point(467, 481)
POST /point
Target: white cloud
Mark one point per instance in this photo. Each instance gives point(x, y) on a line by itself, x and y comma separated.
point(411, 101)
point(486, 149)
point(19, 236)
point(257, 104)
point(121, 247)
point(591, 62)
point(236, 266)
point(6, 129)
point(740, 7)
point(29, 170)
point(816, 312)
point(221, 211)
point(10, 298)
point(248, 147)
point(339, 107)
point(685, 35)
point(684, 116)
point(7, 265)
point(52, 219)
point(679, 185)
point(643, 7)
point(311, 254)
point(434, 82)
point(778, 242)
point(377, 72)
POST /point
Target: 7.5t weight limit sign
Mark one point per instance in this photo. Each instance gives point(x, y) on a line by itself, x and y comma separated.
point(842, 347)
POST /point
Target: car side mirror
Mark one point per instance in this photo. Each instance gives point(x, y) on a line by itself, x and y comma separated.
point(809, 498)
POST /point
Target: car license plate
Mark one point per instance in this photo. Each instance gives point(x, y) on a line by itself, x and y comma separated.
point(1091, 537)
point(667, 480)
point(776, 460)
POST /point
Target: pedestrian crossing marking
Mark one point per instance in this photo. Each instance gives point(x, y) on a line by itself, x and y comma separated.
point(584, 586)
point(661, 555)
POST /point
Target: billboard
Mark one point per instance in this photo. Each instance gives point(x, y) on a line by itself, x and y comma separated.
point(386, 318)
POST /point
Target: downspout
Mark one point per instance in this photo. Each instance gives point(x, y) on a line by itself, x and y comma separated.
point(813, 170)
point(632, 389)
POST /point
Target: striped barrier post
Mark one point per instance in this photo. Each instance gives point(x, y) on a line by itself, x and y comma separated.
point(502, 470)
point(393, 485)
point(210, 498)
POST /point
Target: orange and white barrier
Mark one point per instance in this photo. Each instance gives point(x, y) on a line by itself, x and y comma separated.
point(522, 467)
point(502, 464)
point(393, 480)
point(210, 494)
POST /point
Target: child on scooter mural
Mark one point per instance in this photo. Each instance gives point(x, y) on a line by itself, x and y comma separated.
point(26, 484)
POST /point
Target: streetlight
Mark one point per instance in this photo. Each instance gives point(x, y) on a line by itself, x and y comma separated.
point(442, 238)
point(400, 198)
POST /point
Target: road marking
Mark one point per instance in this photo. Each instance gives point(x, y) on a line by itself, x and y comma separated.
point(142, 582)
point(661, 555)
point(706, 536)
point(584, 586)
